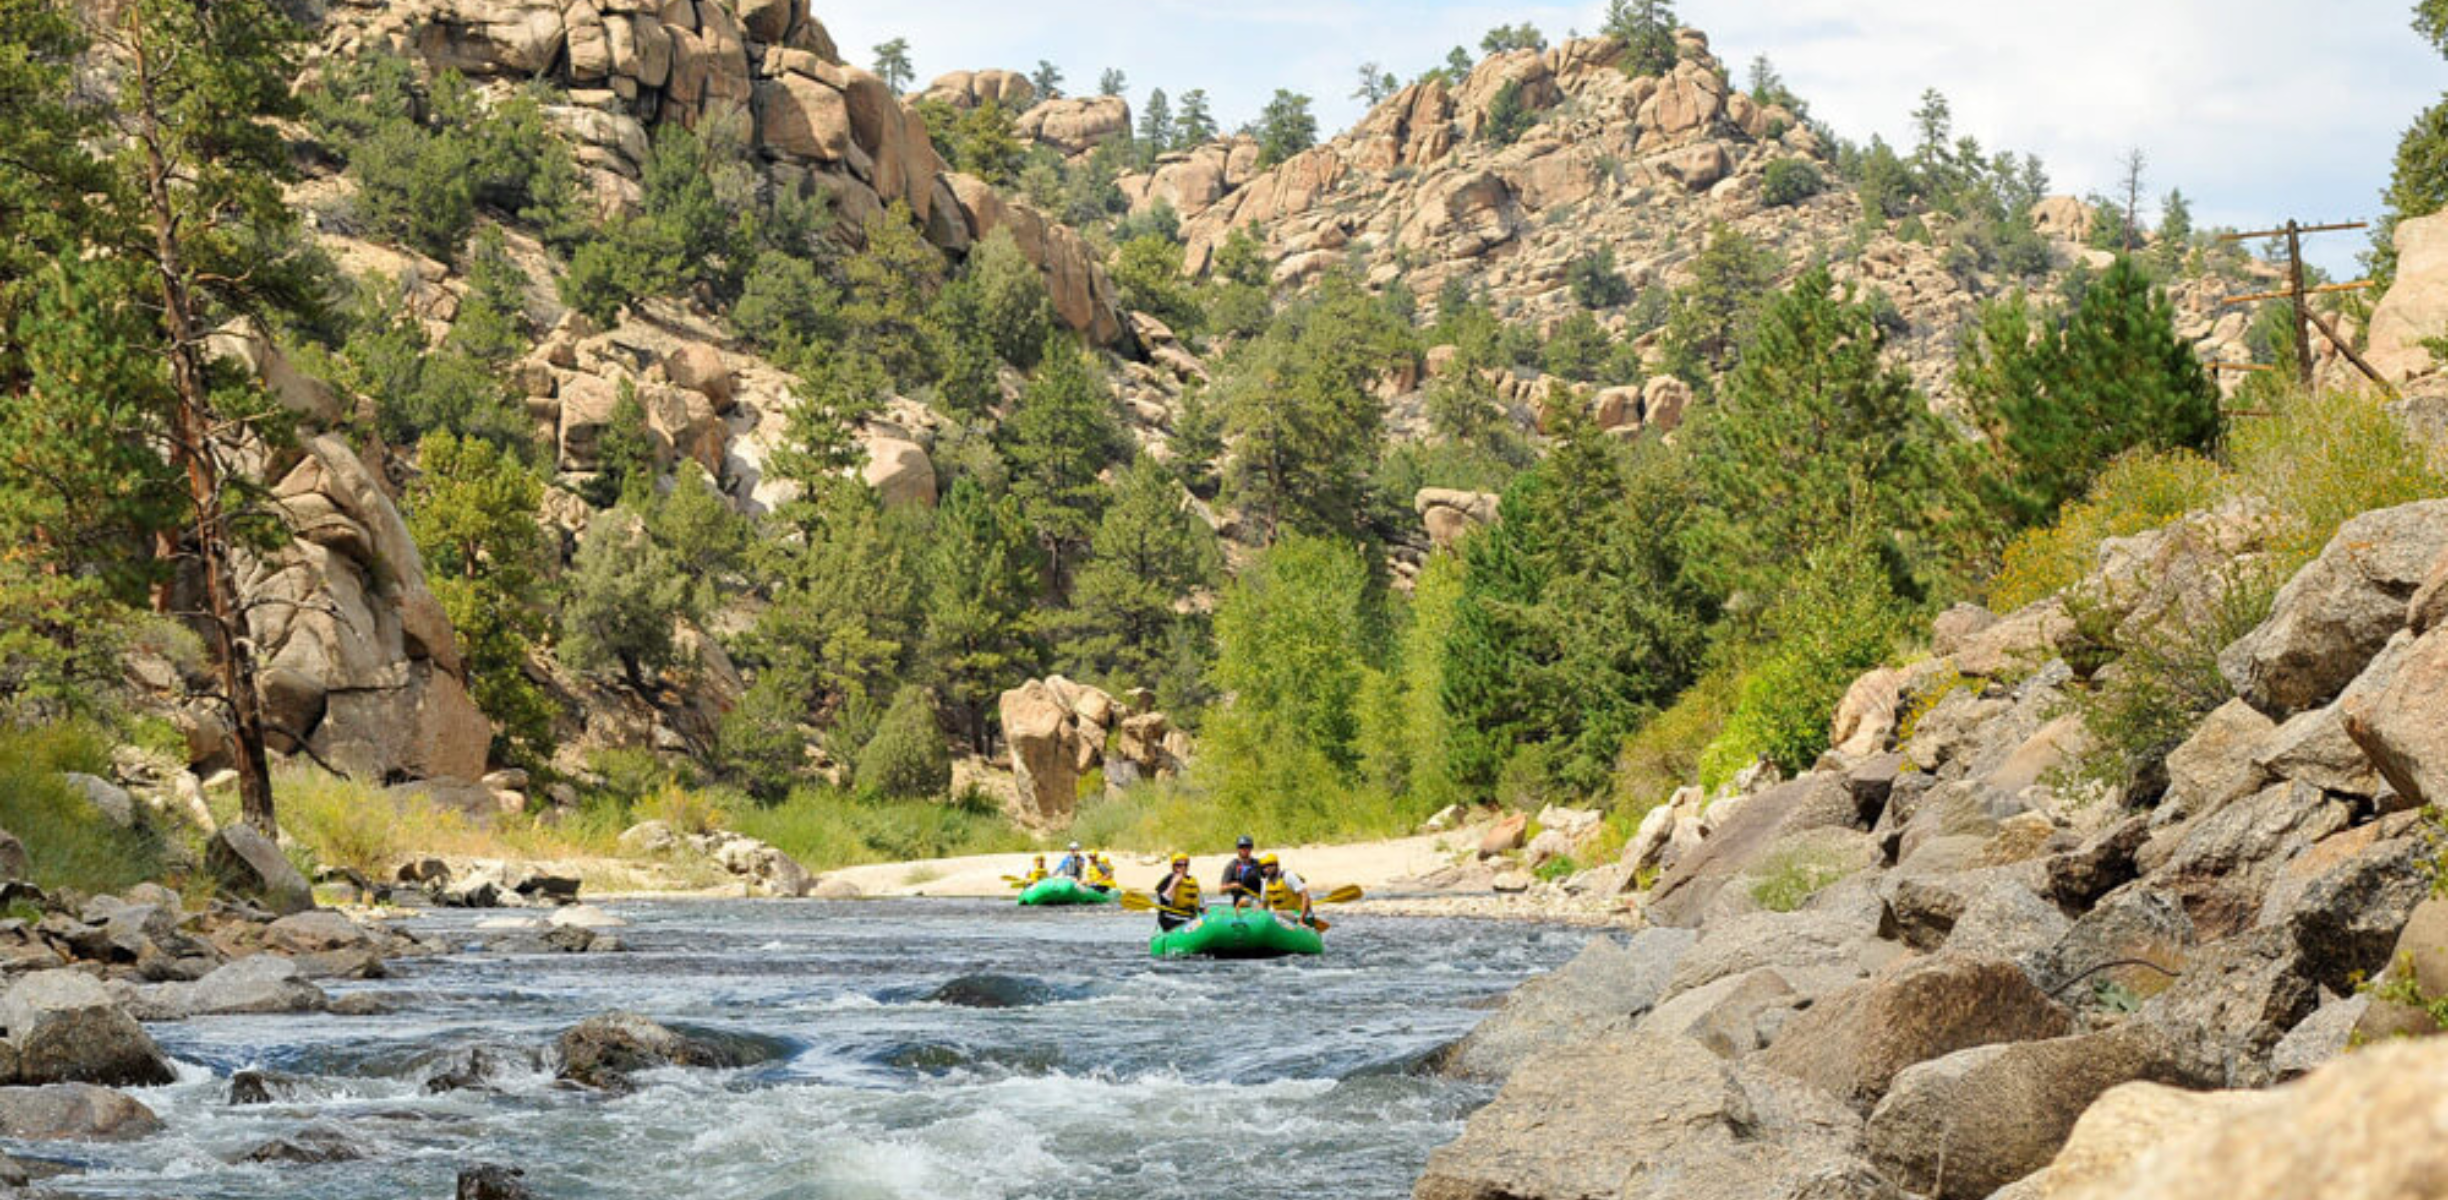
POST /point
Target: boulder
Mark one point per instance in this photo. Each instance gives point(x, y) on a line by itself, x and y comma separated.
point(2420, 957)
point(110, 801)
point(2233, 1002)
point(2320, 1038)
point(1450, 515)
point(493, 1183)
point(1853, 1043)
point(1813, 802)
point(2218, 763)
point(700, 368)
point(2336, 614)
point(1506, 834)
point(602, 1052)
point(14, 865)
point(1664, 400)
point(257, 984)
point(73, 1112)
point(1963, 1126)
point(2403, 727)
point(900, 473)
point(66, 1029)
point(1045, 765)
point(1567, 1126)
point(1818, 949)
point(1075, 125)
point(2367, 1127)
point(1734, 1016)
point(316, 933)
point(2415, 307)
point(1604, 988)
point(246, 862)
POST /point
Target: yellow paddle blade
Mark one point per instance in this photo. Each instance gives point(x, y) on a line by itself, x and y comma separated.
point(1143, 902)
point(1342, 895)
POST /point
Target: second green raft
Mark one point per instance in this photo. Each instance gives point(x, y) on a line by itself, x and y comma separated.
point(1062, 889)
point(1237, 933)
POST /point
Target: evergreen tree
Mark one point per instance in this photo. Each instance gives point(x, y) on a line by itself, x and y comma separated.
point(1047, 79)
point(147, 223)
point(1933, 129)
point(706, 538)
point(2418, 179)
point(892, 64)
point(1112, 82)
point(1707, 320)
point(1458, 65)
point(982, 581)
point(1647, 29)
point(1060, 438)
point(1377, 85)
point(624, 595)
point(1285, 128)
point(906, 759)
point(491, 325)
point(1156, 130)
point(1505, 39)
point(1301, 417)
point(1812, 430)
point(2059, 405)
point(473, 511)
point(1150, 552)
point(1196, 126)
point(1292, 633)
point(886, 306)
point(1147, 270)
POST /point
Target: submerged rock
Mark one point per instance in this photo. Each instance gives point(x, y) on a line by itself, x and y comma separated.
point(602, 1052)
point(493, 1183)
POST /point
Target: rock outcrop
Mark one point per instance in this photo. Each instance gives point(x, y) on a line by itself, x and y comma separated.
point(1058, 731)
point(63, 1027)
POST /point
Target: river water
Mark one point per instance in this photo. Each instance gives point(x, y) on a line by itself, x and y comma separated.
point(910, 1049)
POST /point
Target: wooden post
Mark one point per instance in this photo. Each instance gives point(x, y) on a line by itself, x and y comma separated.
point(2302, 305)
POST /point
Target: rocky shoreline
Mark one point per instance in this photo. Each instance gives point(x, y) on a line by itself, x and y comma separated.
point(1934, 967)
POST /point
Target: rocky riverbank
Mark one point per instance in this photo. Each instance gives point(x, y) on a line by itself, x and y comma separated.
point(1938, 966)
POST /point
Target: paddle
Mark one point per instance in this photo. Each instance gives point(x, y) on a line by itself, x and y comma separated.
point(1143, 902)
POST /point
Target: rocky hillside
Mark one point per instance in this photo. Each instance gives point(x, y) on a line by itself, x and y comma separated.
point(1942, 965)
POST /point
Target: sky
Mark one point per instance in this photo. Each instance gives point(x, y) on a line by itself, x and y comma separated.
point(2259, 110)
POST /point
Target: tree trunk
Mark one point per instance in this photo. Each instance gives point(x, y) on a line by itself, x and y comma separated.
point(191, 439)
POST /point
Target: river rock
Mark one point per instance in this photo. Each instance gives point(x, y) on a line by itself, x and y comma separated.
point(1604, 988)
point(601, 1052)
point(494, 1183)
point(584, 916)
point(316, 933)
point(313, 1145)
point(67, 1030)
point(246, 862)
point(1733, 1016)
point(1854, 1042)
point(262, 983)
point(1963, 1126)
point(2403, 726)
point(1813, 802)
point(73, 1112)
point(2366, 1127)
point(1650, 1118)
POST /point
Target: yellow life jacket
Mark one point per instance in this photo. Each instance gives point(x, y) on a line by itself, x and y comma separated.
point(1035, 875)
point(1100, 875)
point(1281, 897)
point(1186, 894)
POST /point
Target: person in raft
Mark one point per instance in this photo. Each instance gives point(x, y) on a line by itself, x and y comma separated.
point(1100, 872)
point(1286, 891)
point(1036, 871)
point(1073, 864)
point(1180, 892)
point(1242, 883)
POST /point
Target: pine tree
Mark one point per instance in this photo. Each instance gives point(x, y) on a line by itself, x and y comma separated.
point(1047, 79)
point(982, 583)
point(1285, 128)
point(906, 759)
point(892, 64)
point(473, 511)
point(1707, 320)
point(1196, 126)
point(1301, 418)
point(1811, 428)
point(1058, 440)
point(1156, 130)
point(624, 595)
point(179, 229)
point(1647, 29)
point(1377, 84)
point(1112, 82)
point(2114, 377)
point(890, 285)
point(1150, 552)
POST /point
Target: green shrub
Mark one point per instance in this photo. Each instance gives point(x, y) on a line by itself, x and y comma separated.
point(68, 843)
point(2140, 491)
point(906, 759)
point(1665, 753)
point(1787, 879)
point(2163, 680)
point(1556, 869)
point(2324, 458)
point(1841, 619)
point(1594, 281)
point(1790, 181)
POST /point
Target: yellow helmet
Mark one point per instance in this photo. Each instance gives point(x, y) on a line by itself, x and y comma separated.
point(1268, 860)
point(1181, 858)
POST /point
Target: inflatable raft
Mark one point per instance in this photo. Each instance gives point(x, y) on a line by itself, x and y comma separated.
point(1062, 889)
point(1242, 933)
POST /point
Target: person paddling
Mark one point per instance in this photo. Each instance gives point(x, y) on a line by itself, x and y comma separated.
point(1242, 882)
point(1180, 892)
point(1100, 873)
point(1286, 891)
point(1074, 864)
point(1036, 872)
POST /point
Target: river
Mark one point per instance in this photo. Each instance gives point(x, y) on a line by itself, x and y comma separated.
point(943, 1050)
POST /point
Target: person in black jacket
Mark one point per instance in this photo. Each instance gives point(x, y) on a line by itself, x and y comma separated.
point(1180, 891)
point(1243, 884)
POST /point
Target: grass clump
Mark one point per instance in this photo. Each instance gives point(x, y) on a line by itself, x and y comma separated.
point(1787, 879)
point(69, 844)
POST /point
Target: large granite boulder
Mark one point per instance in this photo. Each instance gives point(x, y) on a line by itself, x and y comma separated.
point(1855, 1042)
point(73, 1112)
point(66, 1029)
point(1604, 988)
point(2335, 615)
point(248, 863)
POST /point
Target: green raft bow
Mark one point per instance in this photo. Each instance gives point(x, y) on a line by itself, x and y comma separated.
point(1062, 889)
point(1238, 933)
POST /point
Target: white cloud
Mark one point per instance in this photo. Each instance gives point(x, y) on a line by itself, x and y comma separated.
point(2259, 110)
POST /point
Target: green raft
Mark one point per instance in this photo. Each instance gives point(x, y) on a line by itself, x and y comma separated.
point(1237, 933)
point(1062, 889)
